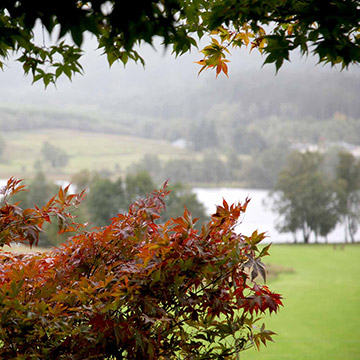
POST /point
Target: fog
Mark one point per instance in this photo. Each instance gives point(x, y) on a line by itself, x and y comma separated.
point(255, 113)
point(165, 80)
point(235, 131)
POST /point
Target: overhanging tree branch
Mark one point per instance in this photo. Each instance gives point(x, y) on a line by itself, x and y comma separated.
point(329, 29)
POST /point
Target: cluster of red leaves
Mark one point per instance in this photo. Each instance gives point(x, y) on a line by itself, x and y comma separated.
point(136, 289)
point(24, 225)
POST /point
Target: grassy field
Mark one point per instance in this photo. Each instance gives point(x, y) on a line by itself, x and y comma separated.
point(320, 319)
point(87, 150)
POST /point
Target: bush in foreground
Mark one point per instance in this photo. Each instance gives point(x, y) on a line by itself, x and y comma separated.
point(132, 290)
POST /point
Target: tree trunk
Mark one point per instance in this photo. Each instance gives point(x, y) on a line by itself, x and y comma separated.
point(294, 237)
point(346, 225)
point(352, 229)
point(306, 233)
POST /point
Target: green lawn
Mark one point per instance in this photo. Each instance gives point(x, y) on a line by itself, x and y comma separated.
point(321, 316)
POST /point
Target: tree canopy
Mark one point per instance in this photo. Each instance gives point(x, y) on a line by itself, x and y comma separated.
point(306, 197)
point(329, 29)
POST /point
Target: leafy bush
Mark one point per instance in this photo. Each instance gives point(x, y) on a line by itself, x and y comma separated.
point(40, 190)
point(131, 290)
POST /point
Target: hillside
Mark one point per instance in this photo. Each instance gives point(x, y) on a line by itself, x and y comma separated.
point(103, 152)
point(253, 120)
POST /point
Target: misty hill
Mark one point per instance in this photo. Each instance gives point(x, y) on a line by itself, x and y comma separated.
point(167, 100)
point(255, 113)
point(169, 88)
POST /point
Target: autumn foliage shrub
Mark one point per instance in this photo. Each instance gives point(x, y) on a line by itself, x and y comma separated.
point(135, 289)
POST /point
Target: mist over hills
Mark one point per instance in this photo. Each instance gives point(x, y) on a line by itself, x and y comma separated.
point(254, 118)
point(170, 88)
point(168, 100)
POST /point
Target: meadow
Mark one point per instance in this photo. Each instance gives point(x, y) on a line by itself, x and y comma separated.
point(320, 317)
point(102, 152)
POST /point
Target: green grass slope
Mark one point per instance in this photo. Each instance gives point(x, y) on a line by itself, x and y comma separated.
point(320, 319)
point(87, 150)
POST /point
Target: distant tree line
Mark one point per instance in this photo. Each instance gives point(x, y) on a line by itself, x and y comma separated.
point(313, 198)
point(106, 198)
point(245, 114)
point(215, 168)
point(211, 168)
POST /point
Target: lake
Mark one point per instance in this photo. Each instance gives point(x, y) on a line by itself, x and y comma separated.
point(259, 215)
